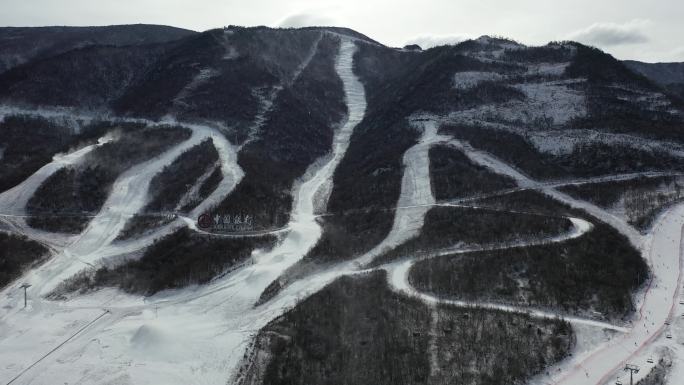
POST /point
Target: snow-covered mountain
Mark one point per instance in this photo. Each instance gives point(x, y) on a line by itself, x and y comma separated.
point(298, 206)
point(668, 75)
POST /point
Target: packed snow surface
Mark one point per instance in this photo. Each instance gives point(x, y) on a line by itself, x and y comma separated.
point(416, 196)
point(661, 297)
point(202, 334)
point(197, 335)
point(14, 200)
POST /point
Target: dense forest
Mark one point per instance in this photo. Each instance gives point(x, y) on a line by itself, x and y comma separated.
point(82, 189)
point(641, 200)
point(168, 191)
point(23, 154)
point(357, 331)
point(596, 272)
point(178, 260)
point(448, 227)
point(18, 253)
point(453, 175)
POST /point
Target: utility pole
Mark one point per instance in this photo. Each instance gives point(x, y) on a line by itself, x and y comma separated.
point(632, 369)
point(25, 286)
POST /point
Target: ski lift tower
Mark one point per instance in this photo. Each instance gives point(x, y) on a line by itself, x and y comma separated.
point(25, 286)
point(632, 369)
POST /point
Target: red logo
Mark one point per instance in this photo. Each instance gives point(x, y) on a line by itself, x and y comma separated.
point(204, 221)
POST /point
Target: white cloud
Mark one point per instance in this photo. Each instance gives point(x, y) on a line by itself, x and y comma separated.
point(299, 20)
point(429, 41)
point(612, 34)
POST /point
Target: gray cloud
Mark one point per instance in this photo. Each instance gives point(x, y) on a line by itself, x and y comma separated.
point(429, 41)
point(307, 20)
point(612, 34)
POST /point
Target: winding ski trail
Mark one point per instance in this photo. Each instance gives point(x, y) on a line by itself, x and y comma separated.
point(95, 244)
point(220, 315)
point(13, 201)
point(663, 251)
point(659, 301)
point(416, 196)
point(202, 334)
point(398, 279)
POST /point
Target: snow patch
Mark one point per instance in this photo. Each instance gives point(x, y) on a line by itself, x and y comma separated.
point(202, 77)
point(562, 142)
point(546, 103)
point(547, 69)
point(554, 100)
point(469, 79)
point(416, 195)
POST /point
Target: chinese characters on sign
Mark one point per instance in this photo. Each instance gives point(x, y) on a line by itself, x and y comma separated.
point(225, 223)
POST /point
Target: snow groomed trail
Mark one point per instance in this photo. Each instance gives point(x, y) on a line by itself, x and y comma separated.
point(398, 278)
point(311, 194)
point(416, 196)
point(230, 170)
point(26, 334)
point(128, 196)
point(662, 249)
point(139, 339)
point(498, 166)
point(416, 199)
point(13, 201)
point(200, 334)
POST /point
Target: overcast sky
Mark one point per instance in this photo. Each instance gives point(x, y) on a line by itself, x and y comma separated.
point(629, 29)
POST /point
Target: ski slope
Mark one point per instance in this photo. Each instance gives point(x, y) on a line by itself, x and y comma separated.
point(205, 334)
point(415, 198)
point(660, 299)
point(138, 340)
point(13, 201)
point(398, 278)
point(662, 249)
point(498, 166)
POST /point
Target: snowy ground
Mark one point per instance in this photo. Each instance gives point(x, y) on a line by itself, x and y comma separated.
point(554, 102)
point(398, 279)
point(416, 196)
point(663, 251)
point(196, 335)
point(13, 201)
point(202, 334)
point(30, 333)
point(599, 362)
point(496, 165)
point(658, 306)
